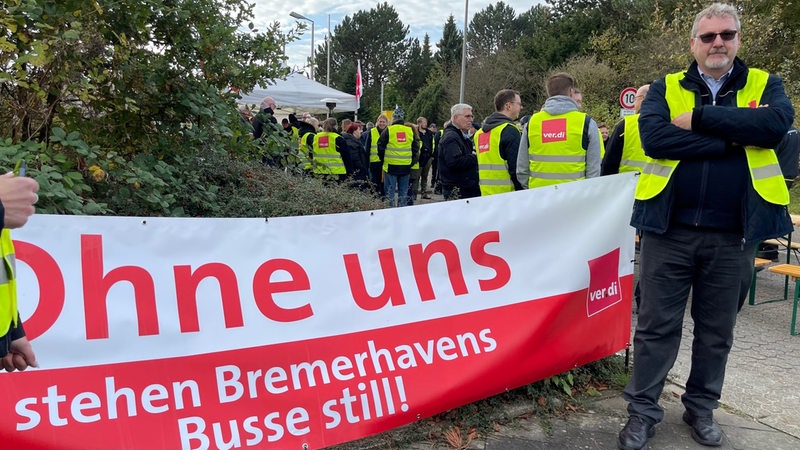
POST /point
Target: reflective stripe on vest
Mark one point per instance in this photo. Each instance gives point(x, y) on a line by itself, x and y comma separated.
point(398, 149)
point(633, 157)
point(374, 134)
point(555, 148)
point(328, 160)
point(8, 286)
point(765, 172)
point(492, 168)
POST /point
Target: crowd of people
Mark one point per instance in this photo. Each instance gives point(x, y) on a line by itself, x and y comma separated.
point(402, 161)
point(396, 161)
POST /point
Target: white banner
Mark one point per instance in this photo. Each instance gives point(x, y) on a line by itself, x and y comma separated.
point(113, 291)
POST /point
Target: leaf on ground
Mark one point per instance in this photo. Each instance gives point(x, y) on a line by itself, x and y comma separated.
point(453, 437)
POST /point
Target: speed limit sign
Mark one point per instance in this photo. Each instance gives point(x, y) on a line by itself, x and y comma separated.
point(627, 97)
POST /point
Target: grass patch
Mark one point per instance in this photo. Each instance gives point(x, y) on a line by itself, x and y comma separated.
point(794, 198)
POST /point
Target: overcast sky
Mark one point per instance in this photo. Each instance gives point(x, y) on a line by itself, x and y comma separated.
point(421, 16)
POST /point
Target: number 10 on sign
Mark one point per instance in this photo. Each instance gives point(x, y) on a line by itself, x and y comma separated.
point(627, 97)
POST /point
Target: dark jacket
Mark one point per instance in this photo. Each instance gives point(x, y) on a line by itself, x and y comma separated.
point(711, 187)
point(357, 163)
point(509, 142)
point(262, 121)
point(789, 155)
point(614, 147)
point(458, 165)
point(302, 127)
point(425, 146)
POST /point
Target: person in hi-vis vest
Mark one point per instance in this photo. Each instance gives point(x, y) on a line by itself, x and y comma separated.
point(711, 190)
point(328, 151)
point(497, 143)
point(624, 152)
point(375, 164)
point(560, 143)
point(17, 197)
point(398, 150)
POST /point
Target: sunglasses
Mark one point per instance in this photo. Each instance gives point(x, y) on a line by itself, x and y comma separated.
point(727, 35)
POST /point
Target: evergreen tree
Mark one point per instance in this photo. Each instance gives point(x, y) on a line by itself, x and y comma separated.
point(450, 45)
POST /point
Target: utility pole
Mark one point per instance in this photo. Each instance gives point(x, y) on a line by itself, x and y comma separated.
point(464, 54)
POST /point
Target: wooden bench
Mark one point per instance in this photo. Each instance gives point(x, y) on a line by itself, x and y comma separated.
point(792, 271)
point(782, 242)
point(757, 262)
point(791, 247)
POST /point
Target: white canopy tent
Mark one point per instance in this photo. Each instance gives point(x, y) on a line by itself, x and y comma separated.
point(299, 94)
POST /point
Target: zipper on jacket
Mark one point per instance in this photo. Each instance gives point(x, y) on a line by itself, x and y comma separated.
point(702, 194)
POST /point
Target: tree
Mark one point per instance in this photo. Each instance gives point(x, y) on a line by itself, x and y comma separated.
point(376, 37)
point(450, 45)
point(538, 42)
point(492, 30)
point(413, 69)
point(432, 100)
point(111, 99)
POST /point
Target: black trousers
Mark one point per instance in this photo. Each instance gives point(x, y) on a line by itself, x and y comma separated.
point(717, 267)
point(376, 178)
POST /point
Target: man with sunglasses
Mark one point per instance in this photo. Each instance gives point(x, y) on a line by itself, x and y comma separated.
point(711, 190)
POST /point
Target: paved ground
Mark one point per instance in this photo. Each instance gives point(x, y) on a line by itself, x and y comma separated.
point(763, 373)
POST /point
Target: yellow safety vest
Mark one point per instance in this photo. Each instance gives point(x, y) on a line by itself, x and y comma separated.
point(8, 284)
point(416, 164)
point(633, 158)
point(302, 146)
point(492, 168)
point(398, 149)
point(329, 161)
point(765, 172)
point(374, 135)
point(555, 148)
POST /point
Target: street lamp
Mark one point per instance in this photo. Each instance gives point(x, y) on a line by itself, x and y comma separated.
point(302, 17)
point(464, 53)
point(328, 46)
point(330, 103)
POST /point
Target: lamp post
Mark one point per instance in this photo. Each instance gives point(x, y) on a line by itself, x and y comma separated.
point(328, 46)
point(464, 54)
point(302, 17)
point(330, 103)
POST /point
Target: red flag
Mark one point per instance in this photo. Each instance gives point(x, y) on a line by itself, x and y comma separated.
point(359, 85)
